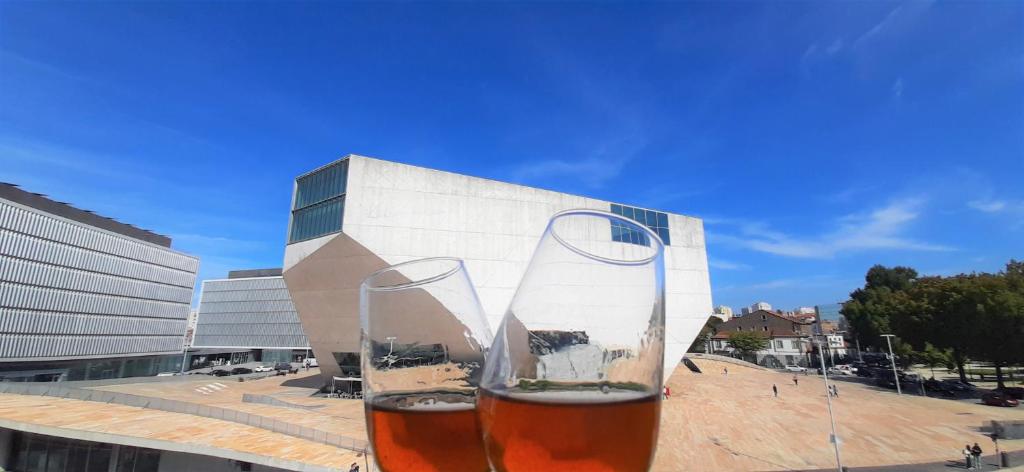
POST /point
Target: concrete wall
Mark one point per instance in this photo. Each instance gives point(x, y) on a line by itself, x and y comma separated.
point(396, 212)
point(179, 462)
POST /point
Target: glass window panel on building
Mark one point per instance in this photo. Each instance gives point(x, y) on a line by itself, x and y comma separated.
point(655, 220)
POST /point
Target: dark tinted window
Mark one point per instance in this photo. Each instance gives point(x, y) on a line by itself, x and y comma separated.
point(319, 202)
point(655, 220)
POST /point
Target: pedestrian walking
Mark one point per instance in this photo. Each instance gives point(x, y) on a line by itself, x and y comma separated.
point(354, 467)
point(976, 452)
point(968, 458)
point(667, 393)
point(775, 390)
point(835, 391)
point(796, 381)
point(725, 371)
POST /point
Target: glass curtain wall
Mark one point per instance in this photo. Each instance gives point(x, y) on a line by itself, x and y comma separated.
point(319, 202)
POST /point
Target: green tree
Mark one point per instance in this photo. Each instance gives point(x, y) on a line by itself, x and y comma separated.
point(933, 357)
point(709, 329)
point(747, 342)
point(870, 308)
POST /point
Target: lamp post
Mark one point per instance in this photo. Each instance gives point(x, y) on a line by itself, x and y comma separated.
point(892, 357)
point(831, 417)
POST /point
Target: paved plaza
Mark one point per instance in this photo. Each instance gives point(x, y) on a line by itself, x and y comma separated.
point(733, 422)
point(711, 422)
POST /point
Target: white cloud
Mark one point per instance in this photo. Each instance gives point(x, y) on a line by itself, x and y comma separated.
point(879, 27)
point(604, 163)
point(882, 228)
point(988, 206)
point(835, 47)
point(897, 88)
point(899, 19)
point(721, 264)
point(594, 172)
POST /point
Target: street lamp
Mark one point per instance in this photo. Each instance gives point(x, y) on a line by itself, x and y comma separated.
point(828, 397)
point(892, 357)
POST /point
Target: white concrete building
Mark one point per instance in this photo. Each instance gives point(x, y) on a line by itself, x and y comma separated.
point(764, 306)
point(358, 214)
point(86, 297)
point(723, 312)
point(250, 310)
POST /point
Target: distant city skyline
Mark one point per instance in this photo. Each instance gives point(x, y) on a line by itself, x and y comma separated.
point(814, 139)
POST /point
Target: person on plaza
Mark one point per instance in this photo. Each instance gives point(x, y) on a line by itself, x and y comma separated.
point(354, 467)
point(968, 458)
point(667, 393)
point(976, 452)
point(725, 371)
point(775, 390)
point(796, 381)
point(835, 391)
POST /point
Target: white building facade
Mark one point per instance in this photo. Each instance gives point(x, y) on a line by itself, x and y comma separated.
point(723, 313)
point(86, 297)
point(250, 310)
point(359, 214)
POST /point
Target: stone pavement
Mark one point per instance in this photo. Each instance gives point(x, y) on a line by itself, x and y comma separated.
point(142, 427)
point(711, 422)
point(719, 422)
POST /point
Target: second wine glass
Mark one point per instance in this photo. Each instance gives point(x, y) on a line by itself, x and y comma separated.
point(424, 341)
point(574, 379)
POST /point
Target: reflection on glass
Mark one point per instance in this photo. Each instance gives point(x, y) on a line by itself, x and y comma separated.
point(574, 379)
point(424, 339)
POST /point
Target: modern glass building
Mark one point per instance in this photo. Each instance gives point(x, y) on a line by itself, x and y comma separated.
point(357, 215)
point(251, 309)
point(86, 297)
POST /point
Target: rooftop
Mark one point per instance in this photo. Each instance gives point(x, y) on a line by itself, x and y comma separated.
point(38, 201)
point(249, 273)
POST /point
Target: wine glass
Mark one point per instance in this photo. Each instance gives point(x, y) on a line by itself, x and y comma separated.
point(424, 340)
point(574, 379)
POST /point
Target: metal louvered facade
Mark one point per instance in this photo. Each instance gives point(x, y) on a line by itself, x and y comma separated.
point(69, 290)
point(248, 312)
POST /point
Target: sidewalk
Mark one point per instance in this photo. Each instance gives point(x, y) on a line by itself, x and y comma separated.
point(987, 463)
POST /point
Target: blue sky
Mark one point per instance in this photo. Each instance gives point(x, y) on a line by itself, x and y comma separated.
point(815, 139)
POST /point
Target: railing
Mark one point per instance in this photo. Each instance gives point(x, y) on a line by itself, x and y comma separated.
point(188, 408)
point(272, 401)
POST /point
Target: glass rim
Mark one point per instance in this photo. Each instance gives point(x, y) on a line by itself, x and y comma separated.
point(457, 265)
point(610, 216)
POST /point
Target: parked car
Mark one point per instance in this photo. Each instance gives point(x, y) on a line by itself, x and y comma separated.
point(220, 373)
point(795, 368)
point(1017, 393)
point(958, 385)
point(886, 381)
point(847, 369)
point(167, 374)
point(865, 371)
point(263, 368)
point(241, 370)
point(285, 368)
point(998, 399)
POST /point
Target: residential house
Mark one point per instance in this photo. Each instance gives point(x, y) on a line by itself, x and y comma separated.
point(789, 339)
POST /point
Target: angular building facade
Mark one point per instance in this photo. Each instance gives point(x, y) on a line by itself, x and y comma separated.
point(357, 215)
point(251, 309)
point(86, 297)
